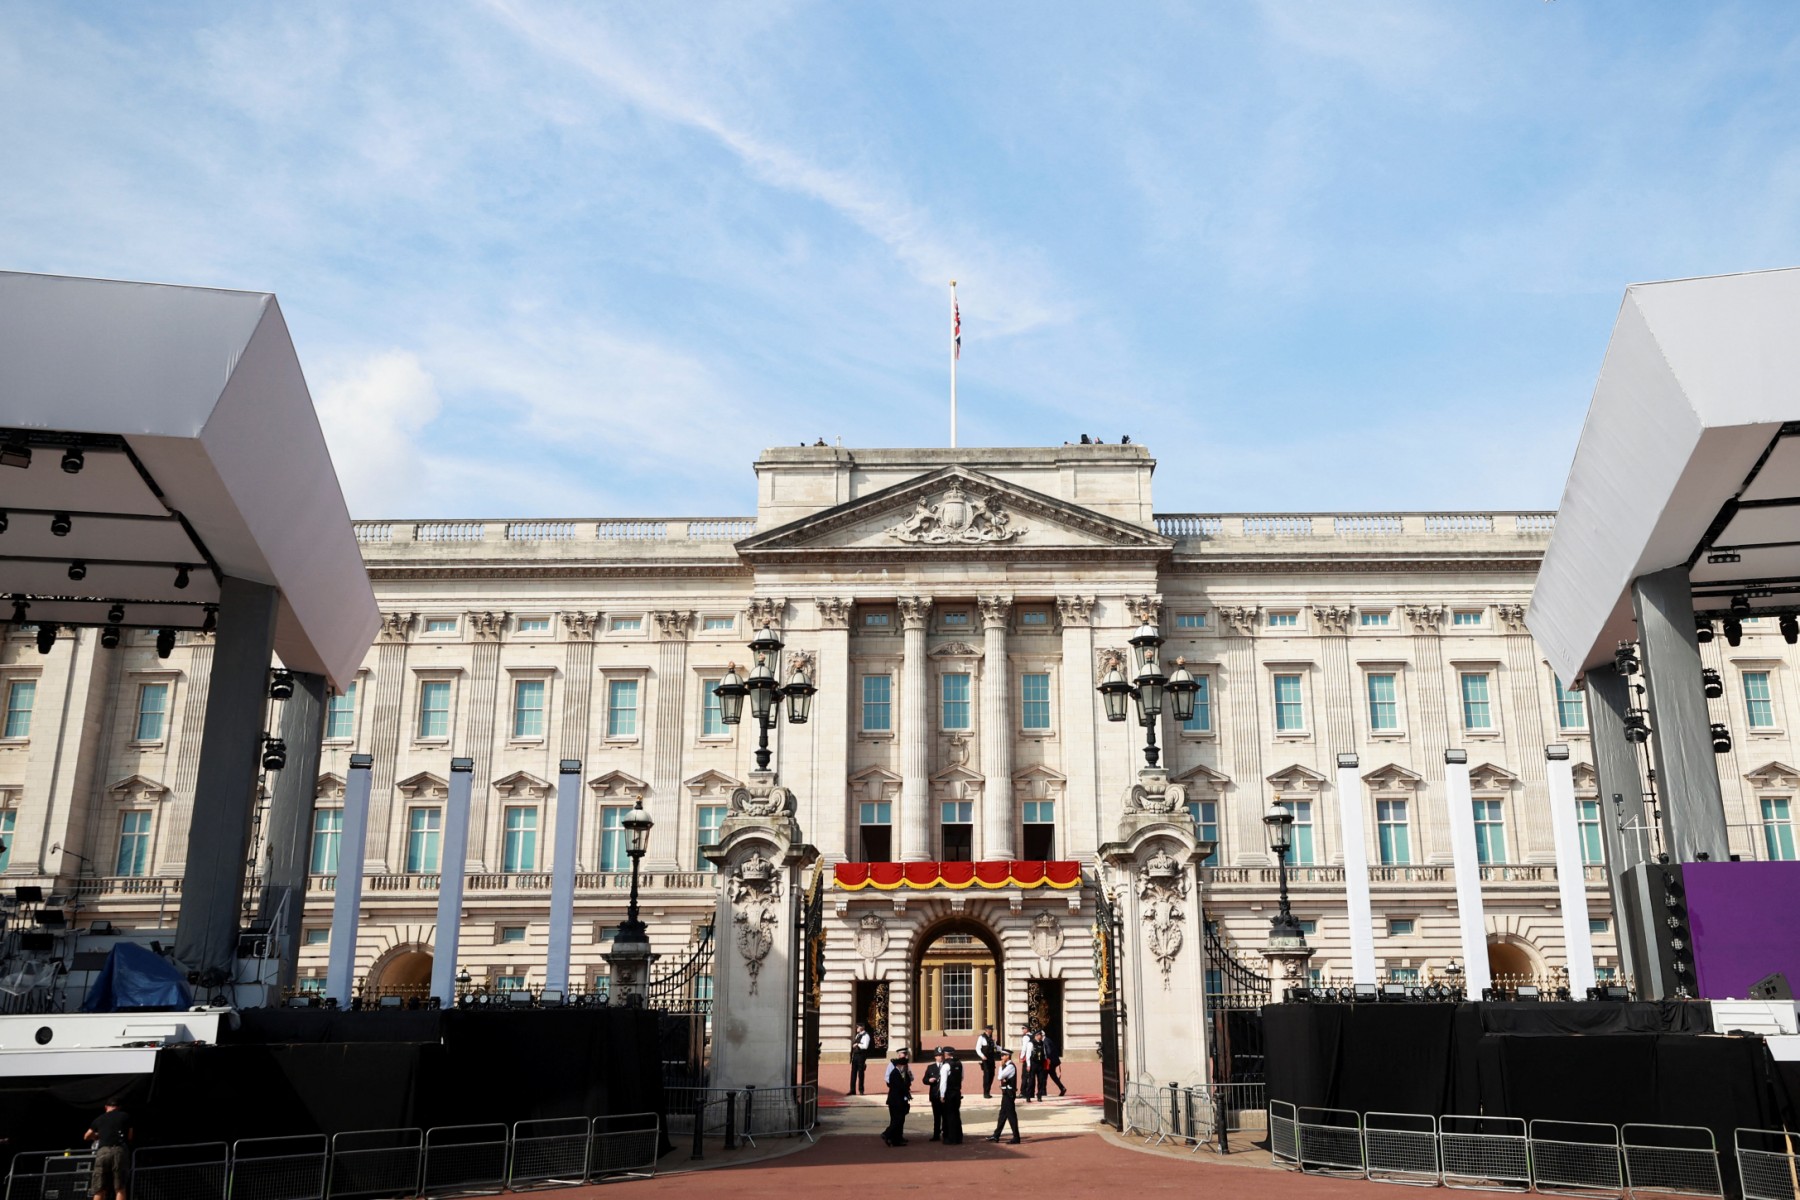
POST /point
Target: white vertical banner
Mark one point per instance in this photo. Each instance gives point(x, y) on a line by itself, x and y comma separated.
point(562, 874)
point(346, 901)
point(1571, 873)
point(1356, 870)
point(1467, 863)
point(452, 858)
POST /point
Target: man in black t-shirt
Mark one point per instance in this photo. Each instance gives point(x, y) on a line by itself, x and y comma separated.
point(111, 1135)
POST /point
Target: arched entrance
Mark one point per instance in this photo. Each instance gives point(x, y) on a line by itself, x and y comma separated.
point(1511, 962)
point(404, 972)
point(959, 984)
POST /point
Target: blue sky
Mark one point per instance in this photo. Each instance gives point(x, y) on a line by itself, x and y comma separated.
point(587, 259)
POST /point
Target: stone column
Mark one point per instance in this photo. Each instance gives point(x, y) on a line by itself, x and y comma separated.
point(761, 859)
point(999, 824)
point(1526, 733)
point(389, 718)
point(577, 683)
point(915, 734)
point(1243, 733)
point(1430, 723)
point(1162, 938)
point(830, 727)
point(668, 738)
point(1080, 717)
point(485, 708)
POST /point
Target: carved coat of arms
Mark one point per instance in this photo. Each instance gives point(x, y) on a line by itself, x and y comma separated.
point(957, 519)
point(755, 891)
point(1163, 894)
point(1046, 936)
point(871, 937)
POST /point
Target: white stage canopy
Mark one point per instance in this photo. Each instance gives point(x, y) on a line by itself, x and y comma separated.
point(199, 456)
point(1690, 456)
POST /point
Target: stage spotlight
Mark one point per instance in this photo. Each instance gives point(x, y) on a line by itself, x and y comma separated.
point(15, 454)
point(1527, 991)
point(281, 686)
point(1393, 991)
point(1790, 628)
point(78, 571)
point(1721, 739)
point(1299, 995)
point(1625, 659)
point(115, 615)
point(165, 642)
point(1365, 992)
point(1711, 684)
point(274, 754)
point(19, 607)
point(1734, 630)
point(72, 460)
point(211, 623)
point(181, 577)
point(1740, 605)
point(1562, 993)
point(46, 638)
point(109, 637)
point(1493, 994)
point(1637, 727)
point(60, 524)
point(1703, 630)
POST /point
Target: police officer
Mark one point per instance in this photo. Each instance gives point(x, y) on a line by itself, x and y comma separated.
point(860, 1042)
point(930, 1079)
point(1052, 1061)
point(987, 1052)
point(899, 1098)
point(949, 1094)
point(1027, 1044)
point(1009, 1112)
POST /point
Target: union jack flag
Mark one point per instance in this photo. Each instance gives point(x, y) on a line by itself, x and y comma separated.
point(956, 328)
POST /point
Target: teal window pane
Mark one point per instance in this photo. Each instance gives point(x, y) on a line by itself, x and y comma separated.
point(712, 716)
point(1034, 701)
point(1778, 829)
point(1384, 703)
point(519, 849)
point(1490, 832)
point(1302, 830)
point(9, 818)
point(1393, 833)
point(19, 699)
point(1587, 813)
point(1372, 620)
point(1571, 710)
point(340, 715)
point(1040, 812)
point(622, 708)
point(612, 839)
point(1477, 712)
point(134, 844)
point(1205, 814)
point(1201, 721)
point(707, 825)
point(153, 705)
point(956, 702)
point(878, 703)
point(1190, 620)
point(327, 835)
point(424, 837)
point(1759, 701)
point(875, 812)
point(528, 708)
point(434, 708)
point(1290, 712)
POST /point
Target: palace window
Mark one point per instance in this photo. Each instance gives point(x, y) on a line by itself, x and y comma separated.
point(440, 624)
point(1290, 710)
point(1284, 620)
point(1490, 832)
point(533, 625)
point(1571, 711)
point(958, 997)
point(340, 716)
point(327, 837)
point(1759, 700)
point(1190, 620)
point(709, 818)
point(612, 839)
point(1401, 926)
point(9, 820)
point(954, 618)
point(424, 835)
point(875, 818)
point(877, 703)
point(1393, 833)
point(1034, 618)
point(1403, 975)
point(1587, 817)
point(956, 702)
point(1374, 620)
point(153, 707)
point(878, 619)
point(434, 708)
point(528, 708)
point(1466, 617)
point(512, 935)
point(1478, 712)
point(509, 983)
point(134, 844)
point(19, 699)
point(1201, 721)
point(1599, 925)
point(318, 937)
point(1039, 841)
point(1034, 701)
point(958, 832)
point(1301, 833)
point(519, 848)
point(621, 708)
point(1384, 704)
point(717, 624)
point(1205, 814)
point(712, 716)
point(1778, 828)
point(625, 624)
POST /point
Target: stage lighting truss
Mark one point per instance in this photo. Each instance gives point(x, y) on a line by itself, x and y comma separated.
point(1711, 684)
point(1625, 659)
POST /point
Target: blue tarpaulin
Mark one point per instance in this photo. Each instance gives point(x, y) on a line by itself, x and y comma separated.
point(136, 979)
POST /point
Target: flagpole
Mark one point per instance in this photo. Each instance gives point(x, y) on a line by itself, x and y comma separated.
point(955, 337)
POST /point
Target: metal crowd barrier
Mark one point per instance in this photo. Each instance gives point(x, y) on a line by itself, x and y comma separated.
point(191, 1172)
point(1768, 1163)
point(1142, 1108)
point(376, 1164)
point(624, 1147)
point(1485, 1153)
point(280, 1168)
point(1680, 1160)
point(1284, 1133)
point(1575, 1157)
point(552, 1152)
point(465, 1160)
point(50, 1175)
point(780, 1112)
point(1401, 1148)
point(1330, 1141)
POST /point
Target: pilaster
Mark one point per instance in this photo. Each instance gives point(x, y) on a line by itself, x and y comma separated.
point(1433, 724)
point(478, 741)
point(384, 741)
point(1241, 699)
point(187, 759)
point(999, 823)
point(577, 683)
point(1525, 725)
point(830, 725)
point(915, 733)
point(1080, 716)
point(669, 735)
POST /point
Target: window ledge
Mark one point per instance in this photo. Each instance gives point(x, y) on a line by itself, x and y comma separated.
point(431, 741)
point(339, 741)
point(8, 743)
point(868, 736)
point(1388, 735)
point(153, 745)
point(1768, 731)
point(1484, 735)
point(622, 739)
point(1294, 735)
point(1201, 736)
point(715, 739)
point(525, 741)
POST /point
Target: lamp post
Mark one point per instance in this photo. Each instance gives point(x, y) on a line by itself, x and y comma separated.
point(765, 693)
point(1287, 941)
point(1149, 688)
point(630, 956)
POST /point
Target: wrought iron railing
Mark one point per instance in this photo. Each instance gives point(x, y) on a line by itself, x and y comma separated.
point(1231, 982)
point(680, 989)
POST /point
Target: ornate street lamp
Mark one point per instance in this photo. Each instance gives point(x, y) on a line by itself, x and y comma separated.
point(765, 693)
point(638, 824)
point(1149, 688)
point(630, 956)
point(1287, 941)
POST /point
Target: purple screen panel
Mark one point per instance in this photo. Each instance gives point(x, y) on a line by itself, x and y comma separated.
point(1746, 922)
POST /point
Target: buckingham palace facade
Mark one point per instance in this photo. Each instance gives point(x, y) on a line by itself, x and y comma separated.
point(957, 607)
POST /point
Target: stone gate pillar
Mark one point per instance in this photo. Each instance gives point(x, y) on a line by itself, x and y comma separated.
point(1162, 939)
point(761, 857)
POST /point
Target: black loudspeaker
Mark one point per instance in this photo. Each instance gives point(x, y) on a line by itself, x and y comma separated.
point(29, 894)
point(37, 943)
point(1771, 987)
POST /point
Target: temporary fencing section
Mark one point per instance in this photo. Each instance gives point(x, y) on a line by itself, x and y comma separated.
point(780, 1112)
point(624, 1147)
point(280, 1168)
point(50, 1175)
point(465, 1160)
point(375, 1164)
point(1196, 1116)
point(197, 1172)
point(549, 1153)
point(1505, 1154)
point(1768, 1163)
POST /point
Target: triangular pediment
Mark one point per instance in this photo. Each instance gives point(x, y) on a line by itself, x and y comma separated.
point(1489, 778)
point(521, 784)
point(711, 783)
point(959, 773)
point(1393, 778)
point(1586, 778)
point(1773, 774)
point(423, 784)
point(619, 785)
point(329, 786)
point(949, 510)
point(1203, 778)
point(1297, 778)
point(139, 787)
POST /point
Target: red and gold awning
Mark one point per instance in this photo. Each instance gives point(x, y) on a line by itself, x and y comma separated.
point(888, 876)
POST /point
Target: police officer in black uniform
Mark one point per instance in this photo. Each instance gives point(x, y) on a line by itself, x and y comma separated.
point(860, 1042)
point(1009, 1086)
point(930, 1079)
point(949, 1091)
point(899, 1098)
point(987, 1051)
